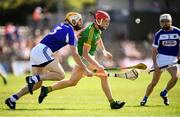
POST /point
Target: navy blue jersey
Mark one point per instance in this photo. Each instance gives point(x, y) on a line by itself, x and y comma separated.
point(167, 42)
point(59, 37)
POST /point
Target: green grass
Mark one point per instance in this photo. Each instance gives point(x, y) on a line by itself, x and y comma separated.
point(88, 100)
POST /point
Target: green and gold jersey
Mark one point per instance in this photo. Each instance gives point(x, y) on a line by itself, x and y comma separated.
point(89, 36)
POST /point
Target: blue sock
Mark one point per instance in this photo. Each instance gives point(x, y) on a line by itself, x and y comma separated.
point(32, 81)
point(164, 92)
point(145, 98)
point(35, 79)
point(38, 77)
point(14, 98)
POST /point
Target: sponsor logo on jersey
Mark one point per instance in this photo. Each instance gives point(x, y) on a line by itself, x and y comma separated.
point(168, 36)
point(169, 43)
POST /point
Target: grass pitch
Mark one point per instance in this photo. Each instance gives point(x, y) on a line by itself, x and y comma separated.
point(88, 100)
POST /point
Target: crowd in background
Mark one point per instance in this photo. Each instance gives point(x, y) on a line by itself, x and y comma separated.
point(16, 43)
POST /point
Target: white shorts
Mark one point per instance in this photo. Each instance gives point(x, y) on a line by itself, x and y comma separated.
point(40, 55)
point(165, 59)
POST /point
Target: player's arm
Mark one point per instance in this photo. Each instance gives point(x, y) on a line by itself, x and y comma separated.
point(105, 52)
point(77, 59)
point(155, 52)
point(154, 55)
point(72, 43)
point(178, 57)
point(86, 48)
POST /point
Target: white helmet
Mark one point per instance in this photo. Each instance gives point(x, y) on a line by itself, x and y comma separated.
point(165, 17)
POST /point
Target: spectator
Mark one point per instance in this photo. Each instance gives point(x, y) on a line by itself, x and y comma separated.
point(36, 19)
point(10, 33)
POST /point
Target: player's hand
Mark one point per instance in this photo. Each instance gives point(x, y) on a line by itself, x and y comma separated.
point(88, 73)
point(100, 68)
point(178, 58)
point(78, 33)
point(101, 73)
point(108, 55)
point(156, 67)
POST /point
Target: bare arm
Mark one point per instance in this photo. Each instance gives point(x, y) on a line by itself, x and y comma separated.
point(76, 56)
point(154, 54)
point(178, 57)
point(105, 52)
point(78, 60)
point(86, 48)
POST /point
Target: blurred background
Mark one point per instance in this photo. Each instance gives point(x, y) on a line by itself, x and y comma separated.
point(23, 23)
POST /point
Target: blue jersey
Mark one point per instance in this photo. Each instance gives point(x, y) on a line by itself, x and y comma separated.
point(167, 42)
point(59, 37)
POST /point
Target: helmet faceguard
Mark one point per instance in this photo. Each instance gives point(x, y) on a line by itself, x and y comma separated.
point(73, 18)
point(99, 17)
point(165, 21)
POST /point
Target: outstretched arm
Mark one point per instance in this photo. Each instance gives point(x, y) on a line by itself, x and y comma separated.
point(86, 48)
point(105, 52)
point(78, 60)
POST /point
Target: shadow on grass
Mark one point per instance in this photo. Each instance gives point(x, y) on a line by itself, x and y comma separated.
point(145, 106)
point(37, 109)
point(29, 109)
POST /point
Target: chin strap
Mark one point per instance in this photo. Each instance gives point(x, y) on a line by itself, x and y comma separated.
point(99, 23)
point(75, 27)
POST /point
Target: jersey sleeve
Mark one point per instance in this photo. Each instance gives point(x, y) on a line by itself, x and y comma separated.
point(71, 38)
point(179, 33)
point(156, 41)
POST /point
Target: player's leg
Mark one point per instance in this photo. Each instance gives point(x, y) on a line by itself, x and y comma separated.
point(35, 71)
point(106, 87)
point(150, 87)
point(3, 78)
point(107, 90)
point(11, 101)
point(174, 77)
point(3, 74)
point(77, 74)
point(56, 72)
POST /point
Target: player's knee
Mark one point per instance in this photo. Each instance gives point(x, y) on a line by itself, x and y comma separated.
point(175, 78)
point(72, 83)
point(61, 76)
point(37, 85)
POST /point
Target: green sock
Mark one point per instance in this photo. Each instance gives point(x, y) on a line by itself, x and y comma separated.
point(48, 89)
point(111, 101)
